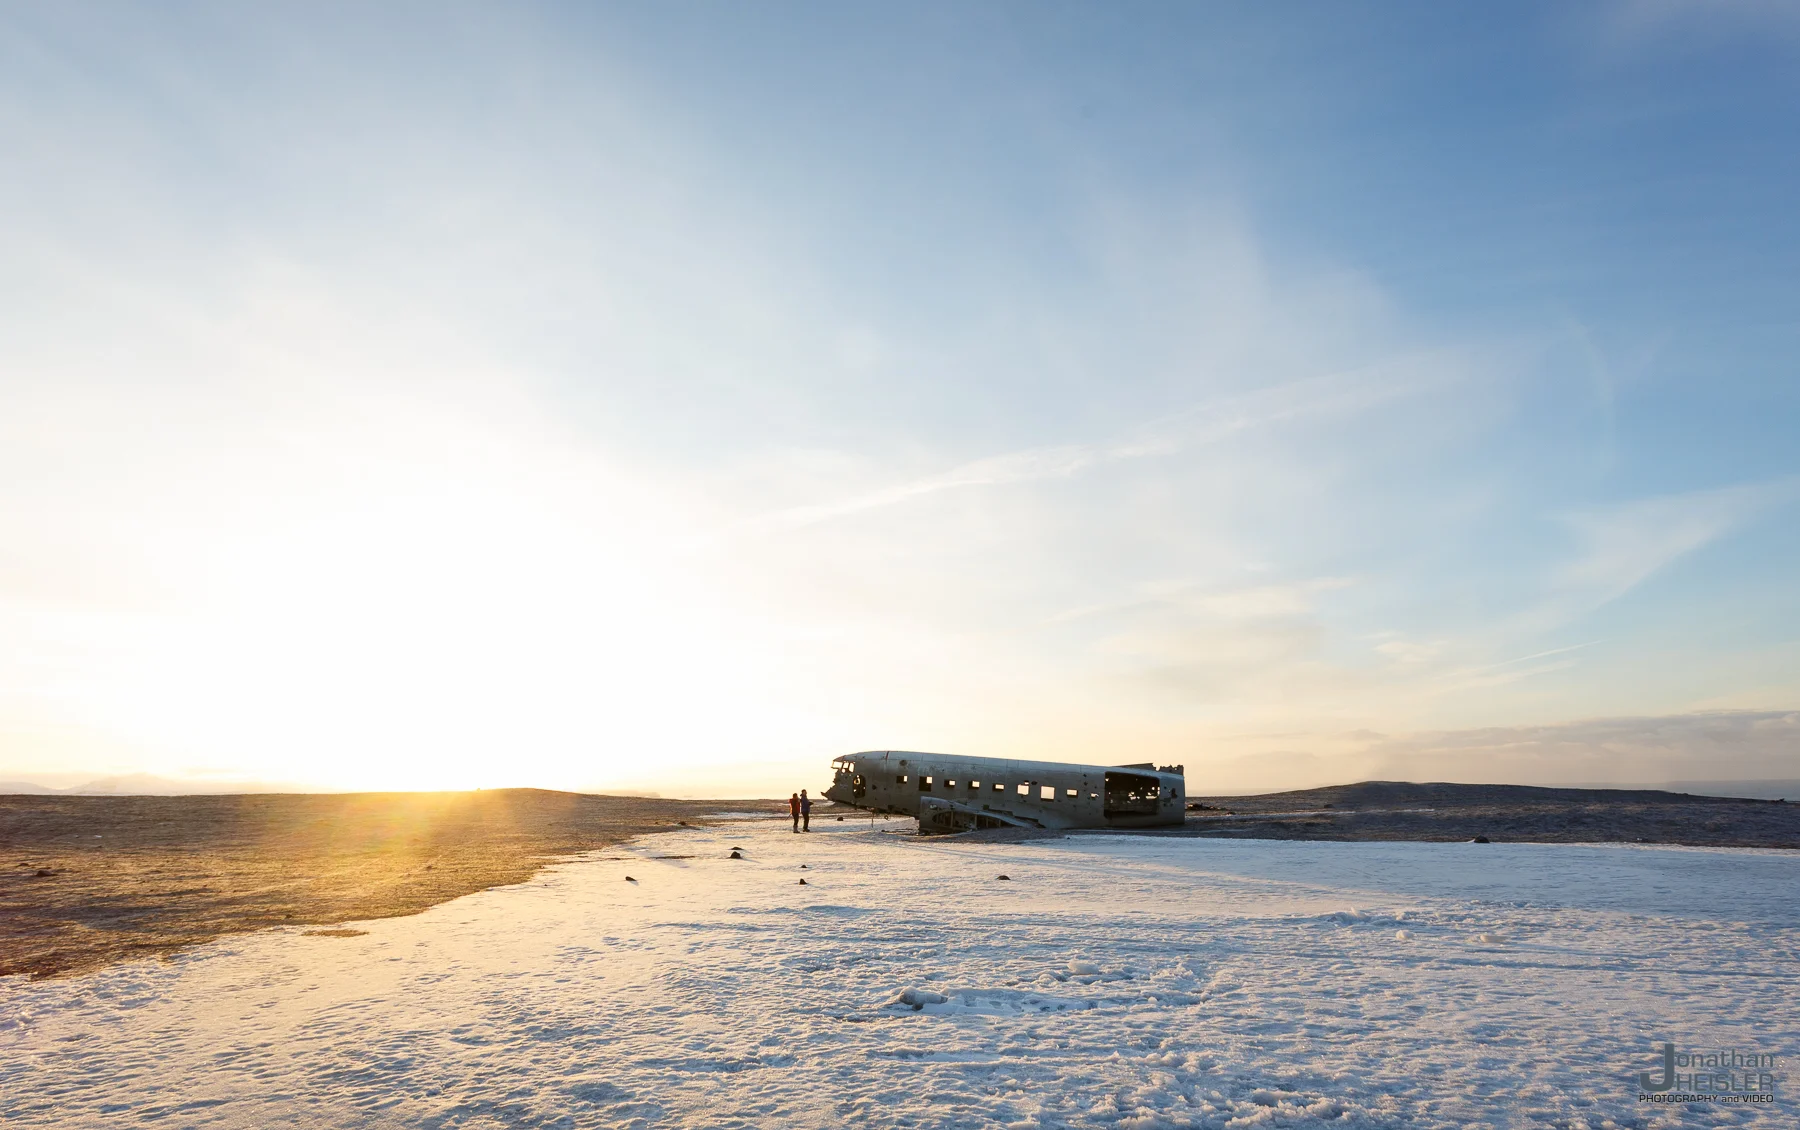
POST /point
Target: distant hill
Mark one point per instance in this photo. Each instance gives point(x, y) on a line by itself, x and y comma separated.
point(1439, 811)
point(1447, 794)
point(25, 788)
point(1780, 789)
point(147, 784)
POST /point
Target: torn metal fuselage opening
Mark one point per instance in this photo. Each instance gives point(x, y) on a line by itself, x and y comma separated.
point(954, 794)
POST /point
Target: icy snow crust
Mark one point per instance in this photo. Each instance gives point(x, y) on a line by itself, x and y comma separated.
point(1116, 981)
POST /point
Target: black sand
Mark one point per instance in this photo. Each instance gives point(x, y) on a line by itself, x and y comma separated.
point(1393, 810)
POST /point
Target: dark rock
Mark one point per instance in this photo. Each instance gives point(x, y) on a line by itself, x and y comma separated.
point(1479, 840)
point(1006, 878)
point(629, 879)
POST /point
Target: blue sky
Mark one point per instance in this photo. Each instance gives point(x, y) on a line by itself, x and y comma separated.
point(676, 393)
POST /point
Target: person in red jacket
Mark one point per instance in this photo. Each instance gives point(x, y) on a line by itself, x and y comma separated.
point(794, 807)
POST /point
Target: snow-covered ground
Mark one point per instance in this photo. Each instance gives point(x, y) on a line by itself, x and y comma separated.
point(1112, 981)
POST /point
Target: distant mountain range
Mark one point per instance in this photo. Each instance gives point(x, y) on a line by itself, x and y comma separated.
point(147, 784)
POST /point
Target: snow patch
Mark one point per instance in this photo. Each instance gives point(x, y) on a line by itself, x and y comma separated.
point(1134, 982)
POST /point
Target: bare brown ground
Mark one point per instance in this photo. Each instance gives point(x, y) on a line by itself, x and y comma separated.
point(85, 881)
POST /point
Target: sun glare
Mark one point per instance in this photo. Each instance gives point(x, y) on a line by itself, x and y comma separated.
point(467, 638)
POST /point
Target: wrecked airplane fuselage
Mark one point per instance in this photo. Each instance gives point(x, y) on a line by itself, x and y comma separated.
point(954, 794)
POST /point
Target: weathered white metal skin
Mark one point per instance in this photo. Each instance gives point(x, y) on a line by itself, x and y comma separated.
point(953, 794)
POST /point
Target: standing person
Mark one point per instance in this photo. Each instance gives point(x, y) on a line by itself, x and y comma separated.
point(805, 812)
point(794, 807)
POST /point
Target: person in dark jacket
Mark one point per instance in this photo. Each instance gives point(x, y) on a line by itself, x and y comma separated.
point(805, 812)
point(794, 808)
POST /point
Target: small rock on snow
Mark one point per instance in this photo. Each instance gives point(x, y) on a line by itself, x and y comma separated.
point(916, 999)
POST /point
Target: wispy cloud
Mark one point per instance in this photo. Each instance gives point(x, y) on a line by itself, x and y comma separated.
point(1639, 750)
point(1211, 422)
point(1623, 545)
point(1635, 27)
point(1513, 670)
point(1629, 750)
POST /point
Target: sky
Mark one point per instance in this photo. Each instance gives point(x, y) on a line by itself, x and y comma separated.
point(675, 396)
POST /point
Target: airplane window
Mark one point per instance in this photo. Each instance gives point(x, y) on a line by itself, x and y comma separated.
point(974, 785)
point(948, 784)
point(901, 779)
point(999, 786)
point(924, 784)
point(1074, 792)
point(1047, 792)
point(1025, 790)
point(1131, 794)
